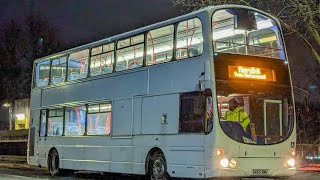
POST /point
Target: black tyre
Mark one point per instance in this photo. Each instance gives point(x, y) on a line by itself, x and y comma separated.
point(157, 167)
point(54, 164)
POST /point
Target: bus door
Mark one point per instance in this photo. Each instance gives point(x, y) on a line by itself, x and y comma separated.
point(272, 120)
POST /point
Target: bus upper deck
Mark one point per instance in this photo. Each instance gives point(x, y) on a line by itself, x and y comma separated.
point(179, 38)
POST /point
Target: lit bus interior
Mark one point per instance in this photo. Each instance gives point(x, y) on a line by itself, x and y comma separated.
point(260, 37)
point(129, 54)
point(267, 116)
point(98, 120)
point(102, 59)
point(78, 65)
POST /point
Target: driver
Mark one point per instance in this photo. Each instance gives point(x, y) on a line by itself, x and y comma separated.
point(236, 113)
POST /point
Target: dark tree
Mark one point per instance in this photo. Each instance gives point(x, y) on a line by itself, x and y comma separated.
point(10, 53)
point(20, 45)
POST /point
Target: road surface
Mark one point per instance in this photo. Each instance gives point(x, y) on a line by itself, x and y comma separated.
point(22, 171)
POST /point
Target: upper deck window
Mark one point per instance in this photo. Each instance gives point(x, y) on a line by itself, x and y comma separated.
point(242, 31)
point(160, 45)
point(78, 65)
point(58, 70)
point(102, 59)
point(189, 39)
point(42, 73)
point(130, 53)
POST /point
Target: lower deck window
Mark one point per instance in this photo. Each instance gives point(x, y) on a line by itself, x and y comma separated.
point(55, 122)
point(75, 120)
point(43, 122)
point(99, 119)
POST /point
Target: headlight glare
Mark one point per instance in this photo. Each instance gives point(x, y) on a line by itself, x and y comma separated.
point(291, 162)
point(232, 163)
point(224, 162)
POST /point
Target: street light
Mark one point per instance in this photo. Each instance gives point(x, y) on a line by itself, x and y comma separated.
point(6, 105)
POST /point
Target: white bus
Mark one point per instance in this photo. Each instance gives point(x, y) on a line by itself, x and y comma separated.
point(155, 101)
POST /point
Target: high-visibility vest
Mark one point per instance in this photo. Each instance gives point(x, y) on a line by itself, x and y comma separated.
point(238, 115)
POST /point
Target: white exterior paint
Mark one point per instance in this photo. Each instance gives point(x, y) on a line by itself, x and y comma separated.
point(139, 98)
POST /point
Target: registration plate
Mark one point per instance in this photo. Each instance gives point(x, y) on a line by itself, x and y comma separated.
point(260, 171)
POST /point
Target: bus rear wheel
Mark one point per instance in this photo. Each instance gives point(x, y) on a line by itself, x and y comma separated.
point(157, 167)
point(54, 165)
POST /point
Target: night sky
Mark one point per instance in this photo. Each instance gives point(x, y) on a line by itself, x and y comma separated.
point(84, 20)
point(89, 20)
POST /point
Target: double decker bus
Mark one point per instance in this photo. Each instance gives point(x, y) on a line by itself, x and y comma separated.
point(155, 101)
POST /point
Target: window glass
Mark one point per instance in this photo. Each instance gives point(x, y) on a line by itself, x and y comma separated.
point(160, 45)
point(243, 31)
point(108, 47)
point(189, 39)
point(192, 112)
point(58, 70)
point(102, 60)
point(94, 109)
point(131, 41)
point(264, 43)
point(99, 119)
point(255, 117)
point(130, 53)
point(75, 120)
point(55, 122)
point(42, 73)
point(78, 65)
point(43, 122)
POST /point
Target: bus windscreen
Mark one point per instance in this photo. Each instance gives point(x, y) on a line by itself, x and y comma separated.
point(242, 31)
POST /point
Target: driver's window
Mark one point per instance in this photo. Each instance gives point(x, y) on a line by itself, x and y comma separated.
point(255, 119)
point(235, 120)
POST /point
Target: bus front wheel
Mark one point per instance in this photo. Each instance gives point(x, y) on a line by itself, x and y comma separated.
point(157, 169)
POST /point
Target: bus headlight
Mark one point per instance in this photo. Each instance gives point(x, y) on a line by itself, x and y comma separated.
point(232, 163)
point(224, 162)
point(291, 162)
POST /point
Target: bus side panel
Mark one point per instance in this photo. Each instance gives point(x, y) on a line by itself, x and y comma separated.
point(160, 114)
point(137, 115)
point(35, 100)
point(33, 136)
point(176, 77)
point(122, 117)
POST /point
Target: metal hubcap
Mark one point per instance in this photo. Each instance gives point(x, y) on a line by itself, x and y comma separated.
point(158, 168)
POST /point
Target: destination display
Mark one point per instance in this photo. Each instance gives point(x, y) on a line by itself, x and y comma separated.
point(254, 73)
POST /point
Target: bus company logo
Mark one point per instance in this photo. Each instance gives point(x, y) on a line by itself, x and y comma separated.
point(251, 73)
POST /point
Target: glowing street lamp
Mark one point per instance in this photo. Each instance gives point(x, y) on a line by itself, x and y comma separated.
point(6, 105)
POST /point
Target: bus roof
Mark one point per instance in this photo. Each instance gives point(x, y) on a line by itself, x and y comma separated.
point(150, 27)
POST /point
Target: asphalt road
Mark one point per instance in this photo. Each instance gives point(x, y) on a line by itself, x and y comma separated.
point(22, 171)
